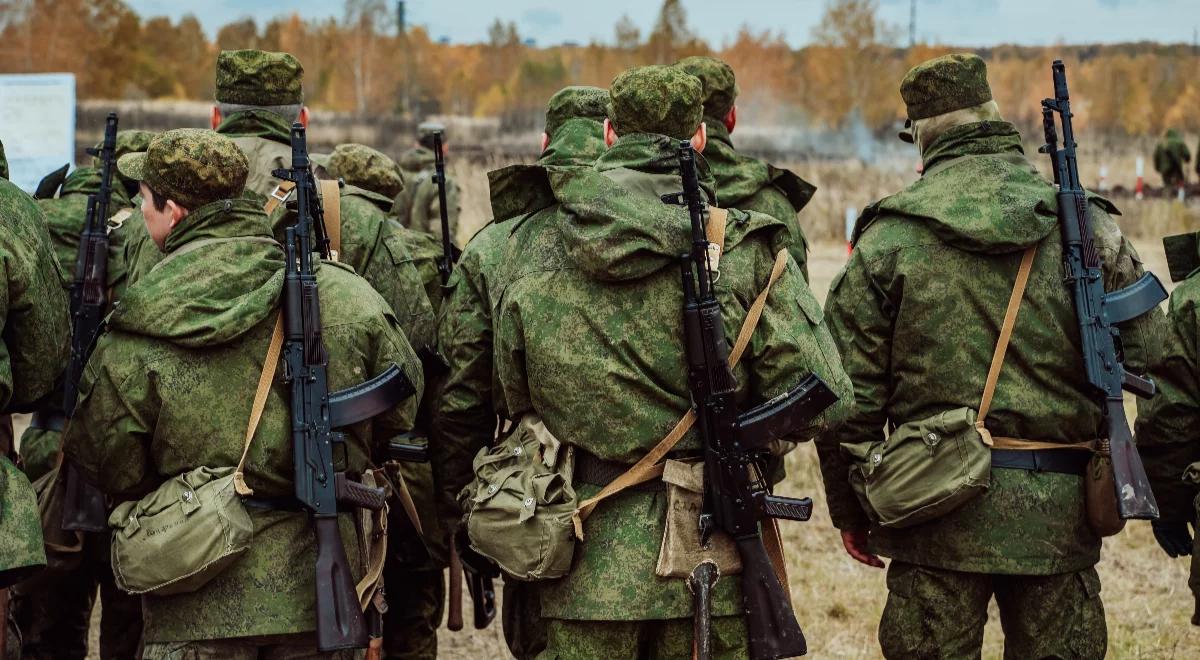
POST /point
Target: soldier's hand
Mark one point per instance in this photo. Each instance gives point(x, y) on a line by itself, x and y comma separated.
point(855, 541)
point(1173, 537)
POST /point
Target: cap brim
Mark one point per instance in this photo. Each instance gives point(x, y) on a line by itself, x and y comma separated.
point(906, 135)
point(133, 166)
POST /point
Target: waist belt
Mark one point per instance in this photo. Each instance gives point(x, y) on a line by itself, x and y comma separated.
point(590, 469)
point(1065, 461)
point(284, 503)
point(48, 421)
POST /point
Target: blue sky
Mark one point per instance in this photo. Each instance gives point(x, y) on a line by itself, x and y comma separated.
point(957, 22)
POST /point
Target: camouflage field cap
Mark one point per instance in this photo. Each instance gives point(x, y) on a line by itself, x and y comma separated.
point(258, 77)
point(720, 85)
point(656, 99)
point(189, 165)
point(428, 128)
point(128, 142)
point(576, 101)
point(364, 167)
point(945, 84)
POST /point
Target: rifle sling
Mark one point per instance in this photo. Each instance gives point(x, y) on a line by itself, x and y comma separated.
point(331, 205)
point(278, 196)
point(260, 402)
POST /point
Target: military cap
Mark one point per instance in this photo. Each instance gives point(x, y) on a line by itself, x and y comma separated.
point(428, 128)
point(128, 142)
point(656, 99)
point(945, 84)
point(257, 77)
point(189, 165)
point(720, 85)
point(362, 166)
point(576, 101)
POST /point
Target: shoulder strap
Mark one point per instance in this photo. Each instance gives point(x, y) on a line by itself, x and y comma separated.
point(331, 204)
point(650, 467)
point(260, 402)
point(1010, 320)
point(278, 196)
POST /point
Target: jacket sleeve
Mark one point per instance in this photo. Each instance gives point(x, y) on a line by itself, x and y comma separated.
point(863, 333)
point(389, 346)
point(1166, 424)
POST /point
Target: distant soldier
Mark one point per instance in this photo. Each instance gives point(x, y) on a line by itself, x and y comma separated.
point(55, 616)
point(1171, 157)
point(468, 405)
point(1167, 423)
point(418, 205)
point(35, 343)
point(743, 182)
point(917, 314)
point(169, 389)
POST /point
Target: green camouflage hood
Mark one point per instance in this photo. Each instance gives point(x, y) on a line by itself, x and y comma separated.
point(207, 294)
point(737, 176)
point(416, 159)
point(519, 189)
point(576, 142)
point(995, 202)
point(256, 123)
point(86, 180)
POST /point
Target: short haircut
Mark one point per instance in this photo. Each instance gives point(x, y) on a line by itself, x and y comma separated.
point(158, 200)
point(290, 112)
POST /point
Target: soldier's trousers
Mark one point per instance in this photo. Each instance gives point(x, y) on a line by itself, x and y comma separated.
point(300, 646)
point(936, 613)
point(521, 612)
point(416, 603)
point(640, 640)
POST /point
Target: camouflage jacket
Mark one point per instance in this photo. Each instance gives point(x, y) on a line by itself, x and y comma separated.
point(160, 396)
point(65, 217)
point(33, 304)
point(418, 206)
point(1166, 424)
point(916, 313)
point(265, 138)
point(588, 330)
point(750, 184)
point(468, 401)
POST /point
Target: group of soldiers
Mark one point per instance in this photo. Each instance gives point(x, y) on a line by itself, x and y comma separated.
point(563, 315)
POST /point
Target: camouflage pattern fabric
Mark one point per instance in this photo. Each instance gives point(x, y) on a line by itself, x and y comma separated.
point(916, 313)
point(260, 647)
point(3, 163)
point(265, 138)
point(600, 275)
point(575, 102)
point(66, 214)
point(933, 613)
point(1171, 156)
point(161, 376)
point(944, 84)
point(191, 166)
point(750, 184)
point(720, 84)
point(418, 206)
point(634, 640)
point(361, 166)
point(256, 77)
point(128, 142)
point(656, 99)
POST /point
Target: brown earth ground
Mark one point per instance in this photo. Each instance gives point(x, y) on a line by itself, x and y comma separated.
point(838, 600)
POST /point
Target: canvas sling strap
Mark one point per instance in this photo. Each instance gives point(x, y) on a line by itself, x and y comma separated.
point(993, 376)
point(331, 199)
point(278, 196)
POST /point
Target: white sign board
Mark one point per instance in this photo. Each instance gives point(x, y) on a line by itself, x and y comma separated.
point(37, 125)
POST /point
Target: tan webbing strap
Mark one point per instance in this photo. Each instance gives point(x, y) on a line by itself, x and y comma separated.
point(650, 467)
point(1006, 329)
point(260, 402)
point(331, 205)
point(377, 544)
point(278, 196)
point(714, 231)
point(1000, 442)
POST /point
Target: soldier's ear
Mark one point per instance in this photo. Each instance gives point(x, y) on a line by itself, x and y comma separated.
point(303, 116)
point(178, 213)
point(730, 119)
point(545, 140)
point(610, 133)
point(215, 118)
point(700, 139)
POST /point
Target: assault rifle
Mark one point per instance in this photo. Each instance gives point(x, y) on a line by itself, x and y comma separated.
point(1099, 312)
point(736, 495)
point(83, 505)
point(316, 411)
point(445, 264)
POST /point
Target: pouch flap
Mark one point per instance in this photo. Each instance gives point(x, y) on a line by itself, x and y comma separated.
point(688, 475)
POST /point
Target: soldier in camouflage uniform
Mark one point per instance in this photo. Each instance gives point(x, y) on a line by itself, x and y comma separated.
point(588, 339)
point(415, 606)
point(55, 615)
point(418, 206)
point(467, 405)
point(743, 182)
point(1171, 157)
point(166, 373)
point(35, 344)
point(1166, 424)
point(916, 313)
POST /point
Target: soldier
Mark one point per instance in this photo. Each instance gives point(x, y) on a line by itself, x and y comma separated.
point(55, 615)
point(917, 312)
point(743, 182)
point(466, 415)
point(1166, 424)
point(1171, 157)
point(185, 339)
point(35, 344)
point(589, 344)
point(418, 206)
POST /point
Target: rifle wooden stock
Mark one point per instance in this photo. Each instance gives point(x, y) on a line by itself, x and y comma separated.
point(340, 620)
point(454, 617)
point(770, 621)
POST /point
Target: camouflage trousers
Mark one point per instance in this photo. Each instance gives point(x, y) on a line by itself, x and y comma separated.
point(640, 640)
point(416, 603)
point(936, 613)
point(521, 612)
point(1194, 576)
point(300, 646)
